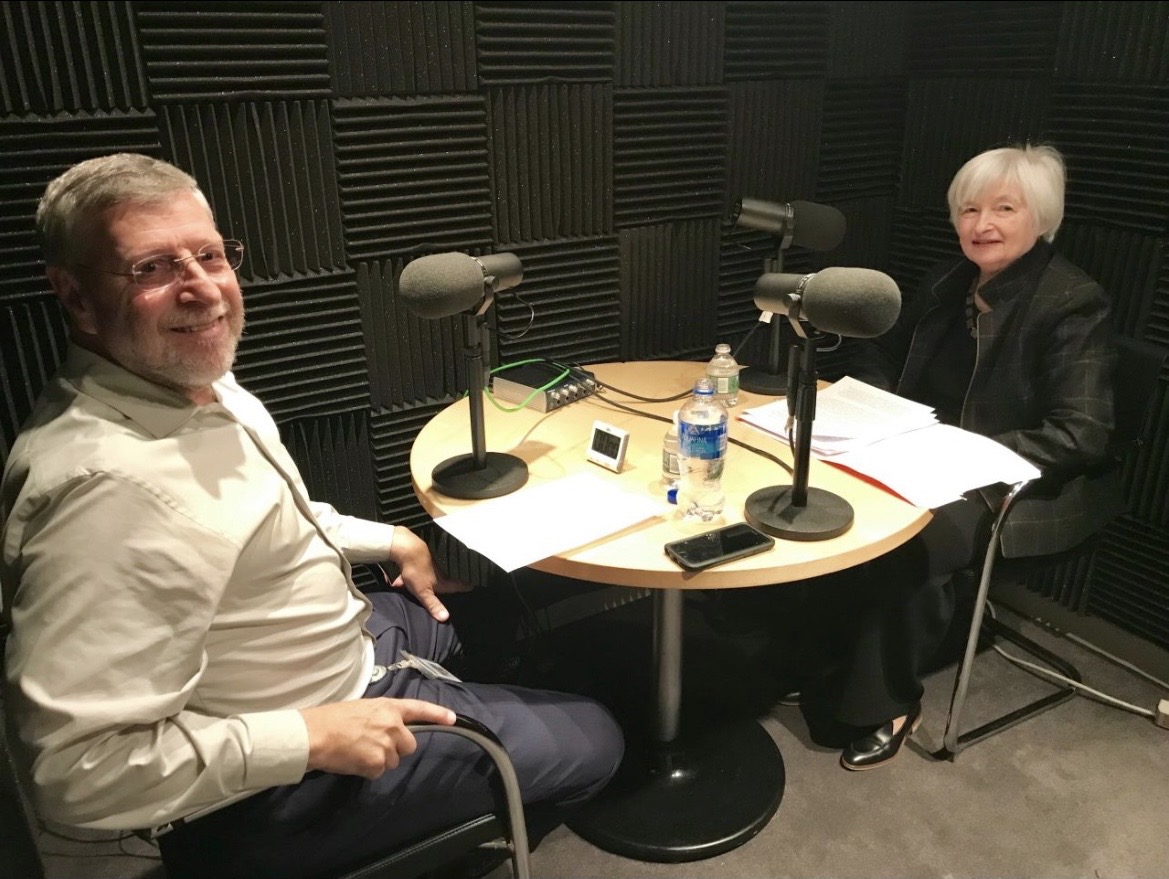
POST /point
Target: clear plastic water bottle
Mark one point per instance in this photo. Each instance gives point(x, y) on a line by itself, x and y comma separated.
point(702, 453)
point(670, 455)
point(724, 372)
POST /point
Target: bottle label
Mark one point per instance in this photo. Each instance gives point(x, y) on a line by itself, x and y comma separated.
point(704, 441)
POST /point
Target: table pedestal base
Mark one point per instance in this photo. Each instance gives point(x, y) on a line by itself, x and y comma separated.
point(687, 801)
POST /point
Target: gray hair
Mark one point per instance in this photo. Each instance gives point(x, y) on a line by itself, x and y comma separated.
point(90, 187)
point(1038, 171)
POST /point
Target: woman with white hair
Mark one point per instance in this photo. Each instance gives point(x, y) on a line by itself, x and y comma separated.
point(1012, 342)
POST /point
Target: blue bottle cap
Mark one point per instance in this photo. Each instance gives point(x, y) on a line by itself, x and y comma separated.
point(672, 495)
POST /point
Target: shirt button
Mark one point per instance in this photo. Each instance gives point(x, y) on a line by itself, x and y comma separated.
point(379, 672)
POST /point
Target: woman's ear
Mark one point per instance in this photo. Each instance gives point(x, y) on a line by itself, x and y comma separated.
point(73, 299)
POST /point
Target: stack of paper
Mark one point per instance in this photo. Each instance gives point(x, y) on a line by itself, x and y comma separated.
point(899, 443)
point(849, 414)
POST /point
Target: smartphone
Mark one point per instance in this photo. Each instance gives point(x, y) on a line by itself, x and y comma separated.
point(720, 545)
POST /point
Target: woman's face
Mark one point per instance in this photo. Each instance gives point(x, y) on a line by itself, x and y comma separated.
point(996, 228)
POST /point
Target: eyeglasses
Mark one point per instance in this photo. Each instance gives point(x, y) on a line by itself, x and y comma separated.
point(163, 269)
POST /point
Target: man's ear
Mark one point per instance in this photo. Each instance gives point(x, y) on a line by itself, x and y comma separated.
point(74, 300)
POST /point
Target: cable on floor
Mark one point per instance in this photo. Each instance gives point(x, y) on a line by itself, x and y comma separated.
point(1076, 685)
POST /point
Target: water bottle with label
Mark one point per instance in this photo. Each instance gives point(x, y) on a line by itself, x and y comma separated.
point(702, 453)
point(724, 372)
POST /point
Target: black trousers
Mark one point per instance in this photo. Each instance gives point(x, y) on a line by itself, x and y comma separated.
point(565, 748)
point(882, 626)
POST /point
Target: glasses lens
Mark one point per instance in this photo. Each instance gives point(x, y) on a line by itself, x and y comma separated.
point(154, 271)
point(233, 252)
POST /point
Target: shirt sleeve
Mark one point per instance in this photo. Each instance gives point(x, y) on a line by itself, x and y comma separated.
point(361, 540)
point(117, 590)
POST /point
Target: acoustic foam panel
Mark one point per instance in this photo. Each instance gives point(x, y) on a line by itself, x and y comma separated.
point(1157, 328)
point(1010, 40)
point(868, 236)
point(391, 434)
point(268, 171)
point(949, 121)
point(661, 44)
point(776, 40)
point(573, 288)
point(32, 345)
point(551, 155)
point(1113, 42)
point(1115, 140)
point(1130, 588)
point(411, 359)
point(413, 174)
point(68, 57)
point(921, 238)
point(393, 48)
point(669, 275)
point(334, 458)
point(774, 140)
point(544, 42)
point(1125, 263)
point(669, 154)
point(35, 151)
point(866, 41)
point(303, 353)
point(234, 50)
point(861, 130)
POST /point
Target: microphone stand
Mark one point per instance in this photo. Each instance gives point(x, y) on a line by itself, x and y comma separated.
point(796, 511)
point(481, 474)
point(772, 381)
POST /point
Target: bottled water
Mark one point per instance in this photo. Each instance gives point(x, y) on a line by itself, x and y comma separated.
point(702, 453)
point(670, 455)
point(724, 372)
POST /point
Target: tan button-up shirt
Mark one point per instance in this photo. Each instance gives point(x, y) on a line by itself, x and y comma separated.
point(174, 596)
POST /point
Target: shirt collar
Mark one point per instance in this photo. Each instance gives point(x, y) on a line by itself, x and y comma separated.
point(161, 411)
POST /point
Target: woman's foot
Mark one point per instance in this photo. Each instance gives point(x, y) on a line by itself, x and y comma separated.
point(881, 745)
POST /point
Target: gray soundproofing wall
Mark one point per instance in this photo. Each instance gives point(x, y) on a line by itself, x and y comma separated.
point(606, 143)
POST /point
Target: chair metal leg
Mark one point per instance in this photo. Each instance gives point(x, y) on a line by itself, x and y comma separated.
point(954, 740)
point(517, 845)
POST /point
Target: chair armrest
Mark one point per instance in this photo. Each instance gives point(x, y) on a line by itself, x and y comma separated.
point(476, 732)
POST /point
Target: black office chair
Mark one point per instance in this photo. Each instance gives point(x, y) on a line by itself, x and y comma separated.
point(1138, 368)
point(504, 830)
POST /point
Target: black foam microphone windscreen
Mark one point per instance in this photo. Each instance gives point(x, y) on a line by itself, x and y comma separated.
point(857, 303)
point(814, 226)
point(817, 226)
point(444, 284)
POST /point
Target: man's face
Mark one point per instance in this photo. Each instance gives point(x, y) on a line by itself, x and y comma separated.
point(183, 335)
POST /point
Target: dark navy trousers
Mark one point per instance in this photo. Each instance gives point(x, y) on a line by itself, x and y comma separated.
point(565, 748)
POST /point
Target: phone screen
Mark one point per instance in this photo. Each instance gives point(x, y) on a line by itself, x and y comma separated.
point(717, 546)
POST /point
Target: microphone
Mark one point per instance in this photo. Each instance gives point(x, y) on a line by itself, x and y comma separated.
point(857, 303)
point(804, 223)
point(449, 283)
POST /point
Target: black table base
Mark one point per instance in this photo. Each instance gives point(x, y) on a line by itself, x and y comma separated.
point(685, 802)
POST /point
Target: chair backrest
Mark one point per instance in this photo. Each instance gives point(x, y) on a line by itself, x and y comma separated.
point(1138, 366)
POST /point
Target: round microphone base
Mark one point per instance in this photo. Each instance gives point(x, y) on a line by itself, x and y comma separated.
point(460, 477)
point(825, 515)
point(757, 381)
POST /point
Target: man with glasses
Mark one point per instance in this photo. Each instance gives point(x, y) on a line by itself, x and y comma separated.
point(188, 650)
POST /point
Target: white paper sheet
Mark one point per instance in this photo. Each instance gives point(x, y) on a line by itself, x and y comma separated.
point(524, 527)
point(935, 465)
point(849, 414)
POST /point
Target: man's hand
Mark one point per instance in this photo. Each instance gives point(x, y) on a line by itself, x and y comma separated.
point(366, 737)
point(418, 573)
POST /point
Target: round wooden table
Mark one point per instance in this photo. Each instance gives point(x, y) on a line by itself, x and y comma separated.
point(678, 800)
